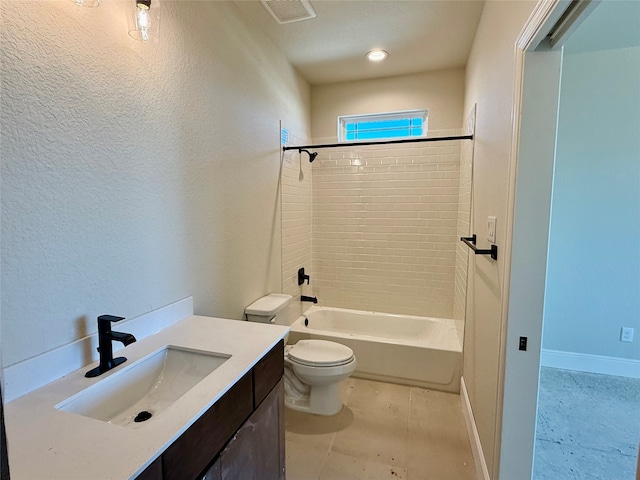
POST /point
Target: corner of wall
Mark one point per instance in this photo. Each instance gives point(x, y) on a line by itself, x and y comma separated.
point(482, 472)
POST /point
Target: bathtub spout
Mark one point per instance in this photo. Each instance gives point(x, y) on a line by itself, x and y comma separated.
point(304, 298)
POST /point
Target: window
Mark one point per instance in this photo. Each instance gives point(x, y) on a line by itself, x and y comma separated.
point(382, 126)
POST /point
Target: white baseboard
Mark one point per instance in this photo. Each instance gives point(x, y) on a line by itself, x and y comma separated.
point(582, 362)
point(482, 472)
point(24, 377)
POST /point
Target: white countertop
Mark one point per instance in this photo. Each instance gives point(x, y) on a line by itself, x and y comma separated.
point(46, 443)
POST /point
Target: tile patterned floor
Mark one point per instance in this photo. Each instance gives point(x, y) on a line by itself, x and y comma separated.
point(588, 426)
point(384, 431)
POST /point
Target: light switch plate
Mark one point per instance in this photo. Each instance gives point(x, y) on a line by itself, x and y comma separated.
point(491, 229)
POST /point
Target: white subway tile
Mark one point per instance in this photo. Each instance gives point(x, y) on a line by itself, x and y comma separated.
point(376, 243)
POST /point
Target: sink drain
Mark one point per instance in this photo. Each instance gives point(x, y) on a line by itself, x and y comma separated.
point(143, 416)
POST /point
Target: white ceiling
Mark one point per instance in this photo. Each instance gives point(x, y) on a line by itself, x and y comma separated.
point(420, 35)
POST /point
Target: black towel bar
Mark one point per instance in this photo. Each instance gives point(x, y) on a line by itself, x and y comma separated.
point(471, 243)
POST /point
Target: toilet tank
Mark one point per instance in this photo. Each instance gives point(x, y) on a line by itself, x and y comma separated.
point(269, 308)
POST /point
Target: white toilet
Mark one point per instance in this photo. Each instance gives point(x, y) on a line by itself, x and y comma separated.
point(313, 369)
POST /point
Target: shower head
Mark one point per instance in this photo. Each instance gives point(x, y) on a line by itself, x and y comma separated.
point(312, 155)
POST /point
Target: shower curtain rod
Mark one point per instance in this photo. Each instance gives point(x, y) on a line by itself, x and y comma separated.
point(380, 142)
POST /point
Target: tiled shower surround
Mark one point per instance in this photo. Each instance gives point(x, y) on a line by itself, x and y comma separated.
point(464, 227)
point(297, 213)
point(384, 223)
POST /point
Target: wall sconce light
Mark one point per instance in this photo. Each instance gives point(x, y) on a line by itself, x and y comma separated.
point(144, 20)
point(87, 3)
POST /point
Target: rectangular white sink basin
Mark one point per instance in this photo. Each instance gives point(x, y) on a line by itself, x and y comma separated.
point(149, 385)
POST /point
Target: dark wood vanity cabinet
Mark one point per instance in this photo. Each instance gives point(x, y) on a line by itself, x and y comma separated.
point(256, 451)
point(241, 437)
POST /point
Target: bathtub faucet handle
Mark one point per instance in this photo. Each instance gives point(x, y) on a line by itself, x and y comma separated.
point(302, 277)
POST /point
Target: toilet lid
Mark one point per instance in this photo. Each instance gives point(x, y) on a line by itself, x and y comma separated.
point(320, 353)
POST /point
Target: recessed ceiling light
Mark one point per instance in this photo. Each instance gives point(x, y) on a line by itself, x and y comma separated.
point(376, 55)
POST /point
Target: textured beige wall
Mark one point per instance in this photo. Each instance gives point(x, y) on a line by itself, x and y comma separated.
point(135, 175)
point(490, 84)
point(441, 92)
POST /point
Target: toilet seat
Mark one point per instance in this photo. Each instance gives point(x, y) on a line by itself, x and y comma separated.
point(320, 353)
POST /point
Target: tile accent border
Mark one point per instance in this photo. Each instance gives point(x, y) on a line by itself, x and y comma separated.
point(583, 362)
point(28, 375)
point(476, 447)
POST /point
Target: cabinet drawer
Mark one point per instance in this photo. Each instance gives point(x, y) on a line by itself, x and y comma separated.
point(192, 452)
point(267, 373)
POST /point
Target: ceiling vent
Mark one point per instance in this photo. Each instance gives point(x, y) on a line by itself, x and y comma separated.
point(287, 11)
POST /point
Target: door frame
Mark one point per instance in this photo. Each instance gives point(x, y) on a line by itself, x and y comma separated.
point(532, 155)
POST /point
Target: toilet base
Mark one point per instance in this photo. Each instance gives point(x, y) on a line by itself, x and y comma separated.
point(321, 400)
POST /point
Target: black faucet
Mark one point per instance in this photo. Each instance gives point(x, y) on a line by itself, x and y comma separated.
point(304, 298)
point(302, 277)
point(105, 337)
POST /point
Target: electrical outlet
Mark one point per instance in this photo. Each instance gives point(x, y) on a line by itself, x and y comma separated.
point(491, 229)
point(626, 334)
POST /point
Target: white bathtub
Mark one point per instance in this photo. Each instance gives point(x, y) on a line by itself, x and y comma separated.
point(404, 349)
